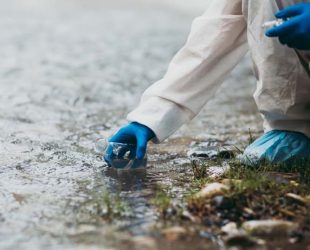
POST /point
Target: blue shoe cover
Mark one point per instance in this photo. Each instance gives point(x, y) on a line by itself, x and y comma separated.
point(278, 147)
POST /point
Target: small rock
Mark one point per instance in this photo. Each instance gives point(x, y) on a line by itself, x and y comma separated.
point(248, 211)
point(212, 152)
point(297, 237)
point(84, 229)
point(171, 211)
point(294, 183)
point(248, 214)
point(174, 233)
point(287, 212)
point(217, 171)
point(230, 228)
point(242, 240)
point(188, 216)
point(211, 190)
point(20, 198)
point(208, 235)
point(269, 227)
point(293, 240)
point(226, 153)
point(297, 198)
point(222, 202)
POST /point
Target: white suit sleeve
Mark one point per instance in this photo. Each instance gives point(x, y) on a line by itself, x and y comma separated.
point(216, 43)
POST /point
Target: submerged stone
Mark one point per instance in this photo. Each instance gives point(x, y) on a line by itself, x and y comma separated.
point(144, 242)
point(269, 227)
point(242, 240)
point(174, 233)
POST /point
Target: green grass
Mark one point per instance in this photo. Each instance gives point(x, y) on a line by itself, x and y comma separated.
point(258, 192)
point(261, 190)
point(162, 201)
point(106, 205)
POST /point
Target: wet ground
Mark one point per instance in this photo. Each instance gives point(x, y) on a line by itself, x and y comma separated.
point(69, 74)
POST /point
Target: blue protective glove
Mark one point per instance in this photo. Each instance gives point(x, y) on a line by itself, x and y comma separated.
point(137, 134)
point(295, 32)
point(280, 147)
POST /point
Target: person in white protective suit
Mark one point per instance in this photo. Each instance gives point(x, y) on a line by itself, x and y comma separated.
point(219, 39)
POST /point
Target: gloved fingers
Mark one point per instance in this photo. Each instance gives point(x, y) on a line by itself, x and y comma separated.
point(287, 40)
point(141, 146)
point(294, 42)
point(123, 136)
point(135, 134)
point(117, 137)
point(298, 45)
point(290, 11)
point(132, 153)
point(283, 40)
point(288, 27)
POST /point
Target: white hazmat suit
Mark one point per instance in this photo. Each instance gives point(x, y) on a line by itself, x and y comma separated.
point(217, 42)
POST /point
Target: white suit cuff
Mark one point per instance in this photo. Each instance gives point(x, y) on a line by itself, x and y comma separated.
point(162, 116)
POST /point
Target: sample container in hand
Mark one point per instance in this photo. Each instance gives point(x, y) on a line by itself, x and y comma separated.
point(120, 155)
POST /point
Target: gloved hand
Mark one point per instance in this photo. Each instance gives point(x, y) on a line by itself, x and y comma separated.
point(137, 134)
point(280, 147)
point(295, 32)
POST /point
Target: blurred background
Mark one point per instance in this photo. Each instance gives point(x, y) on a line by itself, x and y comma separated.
point(194, 5)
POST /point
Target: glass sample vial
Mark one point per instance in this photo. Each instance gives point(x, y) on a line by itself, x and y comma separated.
point(120, 155)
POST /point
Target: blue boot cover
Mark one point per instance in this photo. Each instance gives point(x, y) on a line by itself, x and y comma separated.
point(278, 147)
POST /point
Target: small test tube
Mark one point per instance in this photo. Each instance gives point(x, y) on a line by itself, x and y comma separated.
point(271, 24)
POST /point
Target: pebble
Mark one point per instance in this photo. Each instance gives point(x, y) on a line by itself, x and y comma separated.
point(212, 189)
point(248, 211)
point(222, 202)
point(230, 228)
point(297, 198)
point(174, 233)
point(83, 229)
point(269, 227)
point(238, 237)
point(287, 212)
point(217, 171)
point(208, 235)
point(188, 216)
point(211, 152)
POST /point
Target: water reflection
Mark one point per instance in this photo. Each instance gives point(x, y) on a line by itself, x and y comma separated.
point(135, 188)
point(127, 180)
